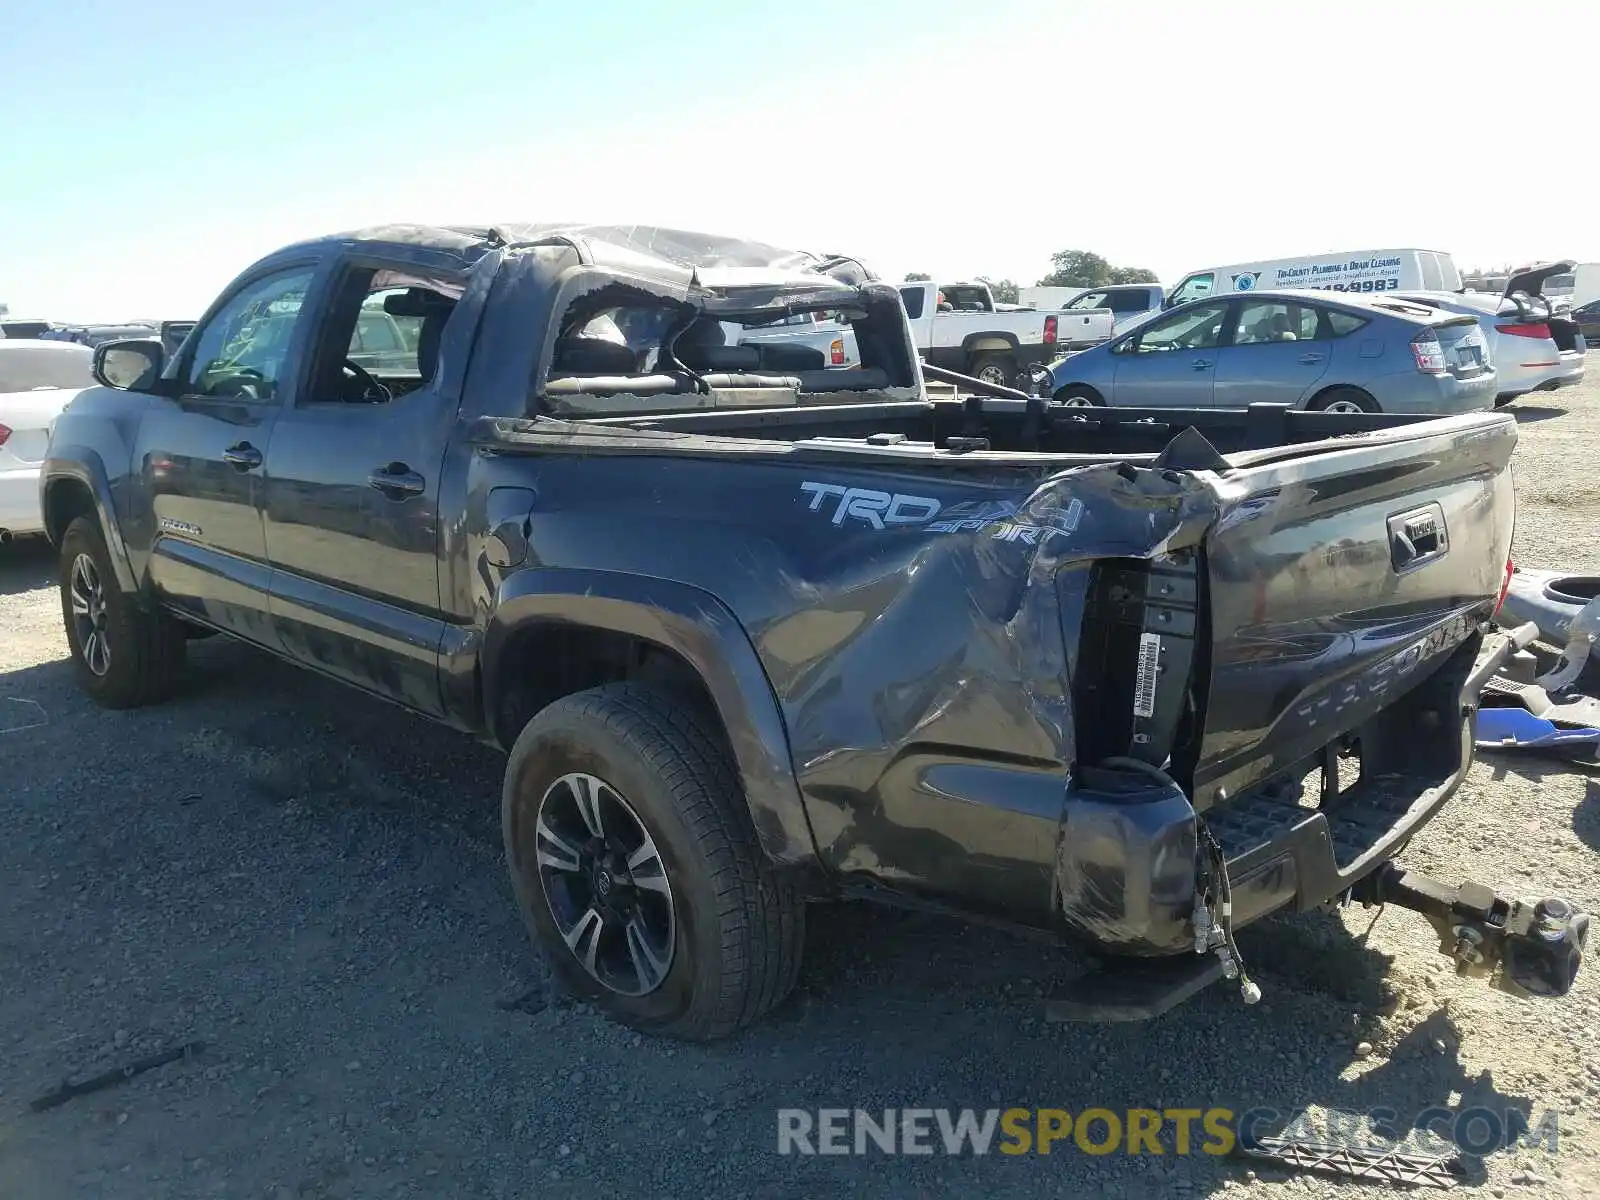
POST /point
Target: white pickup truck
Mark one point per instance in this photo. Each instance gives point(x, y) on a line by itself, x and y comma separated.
point(819, 331)
point(959, 327)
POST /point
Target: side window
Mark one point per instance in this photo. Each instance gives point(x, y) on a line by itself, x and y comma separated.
point(240, 353)
point(1265, 321)
point(1198, 328)
point(381, 335)
point(1343, 323)
point(1195, 287)
point(912, 299)
point(1128, 300)
point(1087, 301)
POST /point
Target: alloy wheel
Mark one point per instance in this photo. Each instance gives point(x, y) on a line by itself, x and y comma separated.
point(606, 884)
point(1343, 406)
point(88, 598)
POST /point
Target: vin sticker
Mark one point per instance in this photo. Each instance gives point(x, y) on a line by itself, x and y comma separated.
point(1144, 686)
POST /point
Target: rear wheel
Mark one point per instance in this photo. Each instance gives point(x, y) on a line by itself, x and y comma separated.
point(635, 865)
point(123, 655)
point(1080, 396)
point(998, 369)
point(1344, 400)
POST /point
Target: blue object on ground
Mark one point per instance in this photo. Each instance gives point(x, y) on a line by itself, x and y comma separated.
point(1515, 728)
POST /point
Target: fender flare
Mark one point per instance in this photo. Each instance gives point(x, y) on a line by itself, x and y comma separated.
point(985, 343)
point(702, 630)
point(80, 466)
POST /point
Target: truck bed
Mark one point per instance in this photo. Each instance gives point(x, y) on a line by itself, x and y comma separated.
point(996, 619)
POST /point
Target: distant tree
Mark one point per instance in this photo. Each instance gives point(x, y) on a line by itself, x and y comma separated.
point(1077, 268)
point(1083, 268)
point(1004, 291)
point(916, 276)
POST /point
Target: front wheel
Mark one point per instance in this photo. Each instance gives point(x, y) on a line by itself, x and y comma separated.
point(123, 655)
point(635, 865)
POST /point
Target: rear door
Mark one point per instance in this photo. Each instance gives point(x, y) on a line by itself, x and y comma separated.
point(1279, 352)
point(1171, 362)
point(1338, 578)
point(352, 486)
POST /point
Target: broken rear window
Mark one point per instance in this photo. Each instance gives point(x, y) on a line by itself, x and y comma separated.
point(625, 344)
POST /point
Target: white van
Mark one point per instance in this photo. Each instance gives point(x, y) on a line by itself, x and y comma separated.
point(1354, 271)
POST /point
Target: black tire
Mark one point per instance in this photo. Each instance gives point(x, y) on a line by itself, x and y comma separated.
point(1079, 395)
point(143, 647)
point(1337, 398)
point(737, 929)
point(1002, 368)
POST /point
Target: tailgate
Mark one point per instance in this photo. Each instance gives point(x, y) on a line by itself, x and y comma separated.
point(1337, 580)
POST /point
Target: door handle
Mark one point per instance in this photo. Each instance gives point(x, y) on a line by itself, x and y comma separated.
point(1201, 364)
point(397, 481)
point(1311, 359)
point(243, 456)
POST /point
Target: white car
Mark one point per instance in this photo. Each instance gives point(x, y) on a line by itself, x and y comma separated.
point(37, 378)
point(1533, 347)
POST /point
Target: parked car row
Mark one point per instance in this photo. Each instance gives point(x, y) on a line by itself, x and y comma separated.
point(1318, 350)
point(1374, 331)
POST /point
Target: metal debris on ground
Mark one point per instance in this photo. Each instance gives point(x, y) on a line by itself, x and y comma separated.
point(68, 1091)
point(1357, 1162)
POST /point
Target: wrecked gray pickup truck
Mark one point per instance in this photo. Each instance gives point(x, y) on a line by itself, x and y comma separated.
point(755, 630)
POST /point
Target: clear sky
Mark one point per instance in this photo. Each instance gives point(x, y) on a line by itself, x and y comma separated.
point(152, 150)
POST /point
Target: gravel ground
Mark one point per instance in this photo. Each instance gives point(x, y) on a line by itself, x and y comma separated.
point(310, 883)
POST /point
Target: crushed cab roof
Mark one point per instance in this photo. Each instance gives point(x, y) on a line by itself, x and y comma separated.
point(634, 247)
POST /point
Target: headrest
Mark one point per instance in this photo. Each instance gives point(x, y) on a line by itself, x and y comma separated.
point(592, 356)
point(416, 302)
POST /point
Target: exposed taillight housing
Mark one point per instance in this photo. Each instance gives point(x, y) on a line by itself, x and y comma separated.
point(5, 432)
point(1050, 331)
point(1529, 330)
point(1429, 353)
point(1505, 585)
point(835, 352)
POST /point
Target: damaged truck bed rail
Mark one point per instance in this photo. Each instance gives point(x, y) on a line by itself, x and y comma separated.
point(1129, 680)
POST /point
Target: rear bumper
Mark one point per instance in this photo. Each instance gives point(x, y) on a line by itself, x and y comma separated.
point(1568, 372)
point(1125, 867)
point(1440, 395)
point(20, 509)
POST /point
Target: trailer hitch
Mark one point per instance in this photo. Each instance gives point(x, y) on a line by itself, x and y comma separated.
point(1524, 948)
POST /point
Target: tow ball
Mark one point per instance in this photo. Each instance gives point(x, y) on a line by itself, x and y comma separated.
point(1524, 948)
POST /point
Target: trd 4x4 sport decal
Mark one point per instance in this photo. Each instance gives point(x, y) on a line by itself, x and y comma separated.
point(881, 510)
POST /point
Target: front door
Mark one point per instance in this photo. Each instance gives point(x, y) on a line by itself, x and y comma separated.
point(352, 482)
point(1279, 351)
point(198, 457)
point(1171, 362)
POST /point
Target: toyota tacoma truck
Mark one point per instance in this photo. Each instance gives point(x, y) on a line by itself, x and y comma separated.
point(755, 631)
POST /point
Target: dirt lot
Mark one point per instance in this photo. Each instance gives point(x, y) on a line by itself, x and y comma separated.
point(310, 883)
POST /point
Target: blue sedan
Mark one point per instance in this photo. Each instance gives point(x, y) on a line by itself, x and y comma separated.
point(1333, 351)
